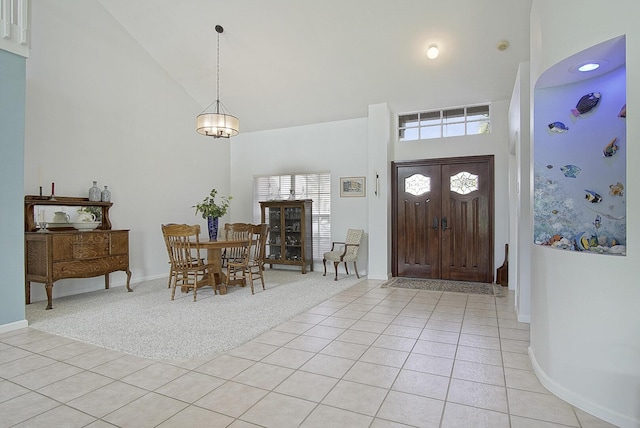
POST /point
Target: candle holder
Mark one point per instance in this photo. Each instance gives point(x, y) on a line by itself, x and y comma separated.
point(42, 226)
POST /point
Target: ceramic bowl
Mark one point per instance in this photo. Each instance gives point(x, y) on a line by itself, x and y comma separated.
point(86, 225)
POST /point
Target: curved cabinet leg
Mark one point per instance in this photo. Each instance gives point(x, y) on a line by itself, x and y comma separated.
point(49, 287)
point(128, 280)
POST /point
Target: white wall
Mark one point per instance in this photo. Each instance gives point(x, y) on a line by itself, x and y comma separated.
point(496, 143)
point(100, 108)
point(337, 147)
point(585, 323)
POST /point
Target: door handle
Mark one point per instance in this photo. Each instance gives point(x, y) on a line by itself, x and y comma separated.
point(444, 223)
point(435, 223)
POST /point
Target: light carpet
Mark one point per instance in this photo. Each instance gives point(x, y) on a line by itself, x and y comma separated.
point(148, 324)
point(445, 285)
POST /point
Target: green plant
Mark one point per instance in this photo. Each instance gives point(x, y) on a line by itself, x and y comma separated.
point(209, 208)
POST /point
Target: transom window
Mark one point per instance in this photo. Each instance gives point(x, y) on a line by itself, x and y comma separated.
point(444, 123)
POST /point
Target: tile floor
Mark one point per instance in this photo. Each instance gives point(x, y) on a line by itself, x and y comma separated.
point(369, 357)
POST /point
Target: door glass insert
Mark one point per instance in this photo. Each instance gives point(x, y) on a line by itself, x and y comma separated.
point(464, 183)
point(417, 184)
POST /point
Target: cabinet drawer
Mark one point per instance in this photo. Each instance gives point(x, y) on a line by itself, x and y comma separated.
point(89, 268)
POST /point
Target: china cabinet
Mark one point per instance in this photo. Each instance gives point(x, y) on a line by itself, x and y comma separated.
point(290, 238)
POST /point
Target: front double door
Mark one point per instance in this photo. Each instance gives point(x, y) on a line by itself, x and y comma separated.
point(442, 219)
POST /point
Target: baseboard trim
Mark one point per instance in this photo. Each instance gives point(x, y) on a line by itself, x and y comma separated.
point(580, 402)
point(16, 325)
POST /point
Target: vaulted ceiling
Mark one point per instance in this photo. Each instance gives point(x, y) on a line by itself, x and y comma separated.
point(294, 62)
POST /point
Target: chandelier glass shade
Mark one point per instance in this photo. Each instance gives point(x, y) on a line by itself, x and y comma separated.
point(217, 123)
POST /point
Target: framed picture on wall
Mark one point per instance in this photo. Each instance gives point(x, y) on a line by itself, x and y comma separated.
point(351, 187)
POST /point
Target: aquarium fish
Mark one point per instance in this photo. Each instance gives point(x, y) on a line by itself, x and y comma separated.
point(549, 166)
point(558, 127)
point(611, 148)
point(623, 112)
point(570, 171)
point(586, 104)
point(592, 196)
point(598, 221)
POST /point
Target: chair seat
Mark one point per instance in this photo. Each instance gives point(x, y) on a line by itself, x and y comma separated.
point(336, 256)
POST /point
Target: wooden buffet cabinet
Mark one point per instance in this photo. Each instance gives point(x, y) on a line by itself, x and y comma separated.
point(290, 233)
point(62, 253)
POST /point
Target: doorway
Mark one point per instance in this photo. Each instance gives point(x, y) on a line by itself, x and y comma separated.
point(442, 217)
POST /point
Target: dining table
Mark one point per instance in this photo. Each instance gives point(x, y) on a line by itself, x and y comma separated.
point(217, 278)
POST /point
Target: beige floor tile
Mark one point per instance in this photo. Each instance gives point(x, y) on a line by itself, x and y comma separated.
point(448, 337)
point(225, 366)
point(590, 421)
point(24, 365)
point(99, 424)
point(121, 367)
point(276, 338)
point(308, 343)
point(70, 350)
point(387, 310)
point(525, 380)
point(359, 307)
point(378, 317)
point(325, 417)
point(350, 313)
point(424, 384)
point(473, 319)
point(516, 360)
point(479, 355)
point(447, 317)
point(197, 417)
point(355, 336)
point(518, 346)
point(337, 322)
point(372, 374)
point(385, 357)
point(75, 386)
point(541, 406)
point(12, 353)
point(61, 416)
point(503, 323)
point(457, 416)
point(411, 410)
point(429, 364)
point(480, 330)
point(253, 350)
point(291, 358)
point(46, 344)
point(480, 313)
point(105, 400)
point(328, 365)
point(231, 399)
point(9, 390)
point(154, 376)
point(322, 310)
point(476, 341)
point(515, 334)
point(294, 327)
point(520, 422)
point(95, 358)
point(309, 318)
point(337, 348)
point(356, 397)
point(262, 375)
point(308, 386)
point(415, 313)
point(381, 423)
point(324, 332)
point(444, 325)
point(410, 322)
point(46, 375)
point(395, 342)
point(190, 387)
point(147, 411)
point(436, 349)
point(369, 326)
point(478, 372)
point(24, 407)
point(403, 331)
point(23, 336)
point(277, 410)
point(476, 394)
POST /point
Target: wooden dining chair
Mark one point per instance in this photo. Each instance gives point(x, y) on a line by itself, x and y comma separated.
point(238, 257)
point(255, 266)
point(188, 269)
point(234, 232)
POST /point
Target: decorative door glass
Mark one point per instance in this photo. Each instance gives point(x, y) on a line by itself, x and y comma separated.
point(464, 183)
point(417, 184)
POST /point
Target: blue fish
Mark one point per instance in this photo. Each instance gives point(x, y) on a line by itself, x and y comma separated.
point(611, 148)
point(592, 196)
point(570, 171)
point(586, 104)
point(558, 127)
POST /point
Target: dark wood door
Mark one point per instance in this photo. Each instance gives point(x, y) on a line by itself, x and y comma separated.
point(442, 217)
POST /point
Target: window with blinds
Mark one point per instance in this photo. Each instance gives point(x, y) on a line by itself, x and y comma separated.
point(316, 187)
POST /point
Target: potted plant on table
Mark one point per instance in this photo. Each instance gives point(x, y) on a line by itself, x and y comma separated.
point(211, 211)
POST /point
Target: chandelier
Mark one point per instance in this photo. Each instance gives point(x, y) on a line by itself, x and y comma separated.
point(217, 123)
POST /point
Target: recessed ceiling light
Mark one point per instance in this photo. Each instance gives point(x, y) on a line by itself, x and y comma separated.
point(433, 52)
point(590, 66)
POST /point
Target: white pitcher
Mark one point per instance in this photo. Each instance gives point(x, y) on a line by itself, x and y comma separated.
point(85, 217)
point(61, 217)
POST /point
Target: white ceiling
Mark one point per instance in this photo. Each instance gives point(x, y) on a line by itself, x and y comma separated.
point(295, 62)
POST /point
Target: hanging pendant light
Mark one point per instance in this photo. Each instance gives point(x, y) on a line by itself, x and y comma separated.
point(219, 123)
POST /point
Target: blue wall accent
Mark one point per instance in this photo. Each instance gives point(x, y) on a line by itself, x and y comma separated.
point(12, 110)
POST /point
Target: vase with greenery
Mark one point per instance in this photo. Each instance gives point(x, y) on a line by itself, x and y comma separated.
point(212, 210)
